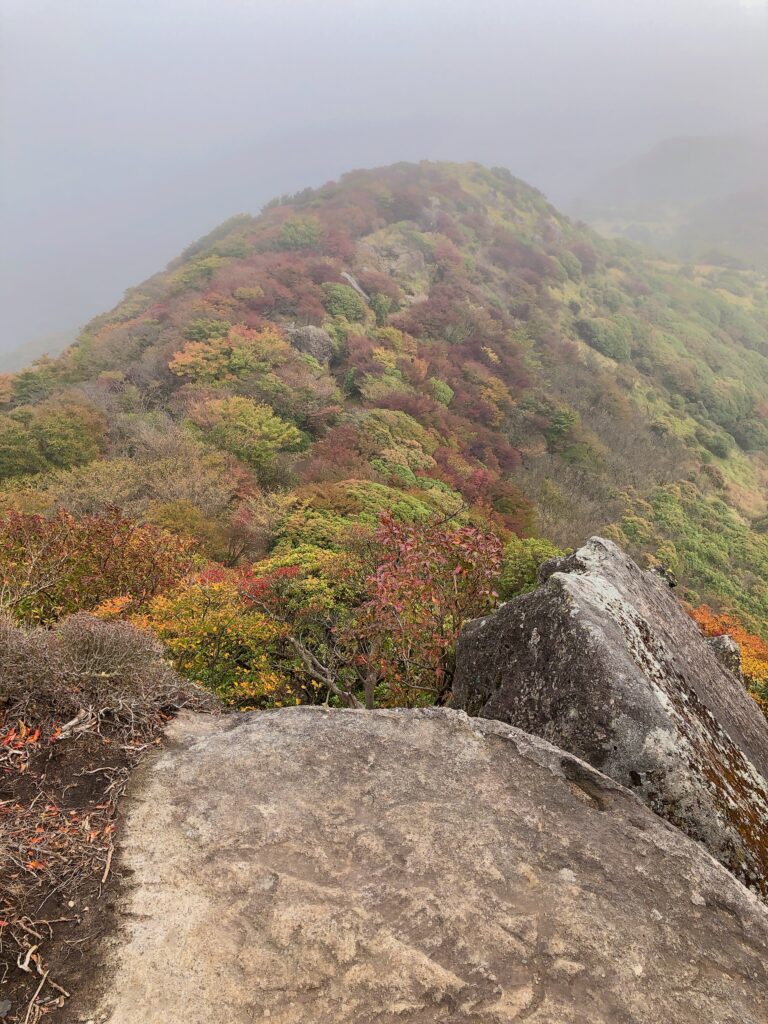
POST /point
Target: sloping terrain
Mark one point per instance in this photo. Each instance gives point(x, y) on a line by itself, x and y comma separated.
point(413, 866)
point(420, 338)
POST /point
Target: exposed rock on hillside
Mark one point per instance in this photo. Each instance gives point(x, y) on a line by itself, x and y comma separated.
point(306, 866)
point(727, 652)
point(313, 341)
point(602, 660)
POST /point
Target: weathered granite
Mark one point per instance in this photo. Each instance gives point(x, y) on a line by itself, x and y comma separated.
point(348, 867)
point(728, 653)
point(313, 341)
point(602, 660)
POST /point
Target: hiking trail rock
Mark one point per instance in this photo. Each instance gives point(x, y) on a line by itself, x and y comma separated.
point(306, 866)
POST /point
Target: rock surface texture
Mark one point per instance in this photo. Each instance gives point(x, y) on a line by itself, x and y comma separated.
point(602, 661)
point(313, 867)
point(313, 341)
point(728, 653)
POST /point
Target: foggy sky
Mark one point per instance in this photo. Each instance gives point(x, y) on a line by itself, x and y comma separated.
point(130, 127)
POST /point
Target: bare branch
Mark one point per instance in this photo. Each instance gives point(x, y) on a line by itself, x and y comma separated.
point(321, 674)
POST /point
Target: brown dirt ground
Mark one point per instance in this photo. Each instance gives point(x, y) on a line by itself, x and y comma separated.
point(60, 819)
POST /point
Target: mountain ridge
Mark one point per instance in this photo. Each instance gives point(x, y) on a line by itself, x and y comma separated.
point(489, 355)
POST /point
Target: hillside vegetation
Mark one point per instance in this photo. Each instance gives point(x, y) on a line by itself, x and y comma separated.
point(323, 436)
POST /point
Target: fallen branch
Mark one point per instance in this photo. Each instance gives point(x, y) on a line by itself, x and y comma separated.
point(23, 963)
point(83, 720)
point(51, 982)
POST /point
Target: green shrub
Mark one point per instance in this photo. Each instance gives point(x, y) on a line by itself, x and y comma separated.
point(199, 272)
point(559, 433)
point(441, 392)
point(19, 456)
point(382, 306)
point(570, 264)
point(300, 233)
point(720, 444)
point(252, 432)
point(521, 562)
point(202, 329)
point(609, 337)
point(341, 300)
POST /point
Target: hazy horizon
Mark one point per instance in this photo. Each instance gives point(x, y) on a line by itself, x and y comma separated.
point(131, 129)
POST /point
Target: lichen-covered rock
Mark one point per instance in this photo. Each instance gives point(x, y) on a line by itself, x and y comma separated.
point(602, 660)
point(405, 867)
point(728, 653)
point(313, 341)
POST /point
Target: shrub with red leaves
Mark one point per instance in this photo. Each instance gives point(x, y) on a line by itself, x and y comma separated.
point(55, 566)
point(431, 578)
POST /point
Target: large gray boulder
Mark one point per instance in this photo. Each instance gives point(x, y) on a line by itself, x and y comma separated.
point(602, 660)
point(351, 867)
point(313, 341)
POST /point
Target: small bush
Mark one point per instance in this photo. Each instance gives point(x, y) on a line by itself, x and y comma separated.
point(25, 672)
point(521, 562)
point(609, 337)
point(300, 233)
point(720, 444)
point(341, 300)
point(202, 329)
point(112, 671)
point(441, 392)
point(64, 564)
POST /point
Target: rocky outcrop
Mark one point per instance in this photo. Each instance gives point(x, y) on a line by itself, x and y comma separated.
point(602, 660)
point(306, 866)
point(353, 283)
point(313, 341)
point(728, 653)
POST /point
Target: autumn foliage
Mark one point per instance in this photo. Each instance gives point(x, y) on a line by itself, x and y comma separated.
point(754, 649)
point(51, 567)
point(379, 619)
point(289, 467)
point(296, 454)
point(429, 581)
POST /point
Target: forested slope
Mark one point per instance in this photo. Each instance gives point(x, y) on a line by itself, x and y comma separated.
point(428, 348)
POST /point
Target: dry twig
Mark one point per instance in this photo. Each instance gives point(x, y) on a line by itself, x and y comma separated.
point(33, 1000)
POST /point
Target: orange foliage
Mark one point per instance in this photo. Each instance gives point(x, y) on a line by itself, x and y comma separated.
point(754, 650)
